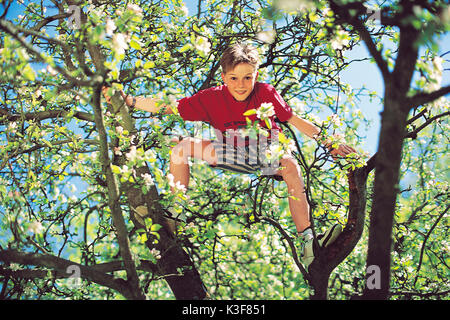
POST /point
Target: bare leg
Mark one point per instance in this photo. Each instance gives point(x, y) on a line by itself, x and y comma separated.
point(189, 148)
point(179, 162)
point(298, 203)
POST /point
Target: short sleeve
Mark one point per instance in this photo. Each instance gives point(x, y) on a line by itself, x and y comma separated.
point(282, 110)
point(192, 108)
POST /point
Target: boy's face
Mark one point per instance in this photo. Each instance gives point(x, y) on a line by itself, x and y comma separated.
point(240, 81)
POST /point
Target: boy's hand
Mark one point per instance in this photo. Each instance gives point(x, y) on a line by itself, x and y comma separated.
point(343, 150)
point(128, 99)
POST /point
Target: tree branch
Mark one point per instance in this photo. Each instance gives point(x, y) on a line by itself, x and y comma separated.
point(43, 115)
point(61, 267)
point(413, 134)
point(14, 31)
point(290, 243)
point(113, 200)
point(422, 98)
point(422, 249)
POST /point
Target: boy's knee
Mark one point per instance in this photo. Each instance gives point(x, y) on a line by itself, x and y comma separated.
point(180, 152)
point(289, 167)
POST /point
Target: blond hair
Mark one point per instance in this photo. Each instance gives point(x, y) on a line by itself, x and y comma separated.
point(239, 53)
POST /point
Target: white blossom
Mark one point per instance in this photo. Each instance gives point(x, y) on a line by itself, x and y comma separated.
point(120, 43)
point(156, 253)
point(202, 44)
point(148, 179)
point(267, 36)
point(14, 266)
point(275, 151)
point(177, 186)
point(294, 6)
point(335, 120)
point(341, 39)
point(51, 70)
point(12, 127)
point(298, 105)
point(135, 9)
point(132, 155)
point(110, 27)
point(35, 227)
point(185, 10)
point(265, 111)
point(339, 43)
point(119, 129)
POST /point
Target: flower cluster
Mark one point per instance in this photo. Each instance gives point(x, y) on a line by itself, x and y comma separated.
point(264, 113)
point(177, 186)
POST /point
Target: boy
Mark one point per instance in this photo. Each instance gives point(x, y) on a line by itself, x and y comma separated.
point(223, 107)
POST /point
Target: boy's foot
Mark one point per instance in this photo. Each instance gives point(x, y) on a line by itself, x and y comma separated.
point(329, 236)
point(307, 253)
point(307, 250)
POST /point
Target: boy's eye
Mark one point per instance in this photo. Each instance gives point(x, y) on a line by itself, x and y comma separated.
point(233, 78)
point(248, 78)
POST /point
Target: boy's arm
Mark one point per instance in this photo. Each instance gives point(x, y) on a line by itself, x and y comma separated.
point(143, 103)
point(304, 126)
point(312, 131)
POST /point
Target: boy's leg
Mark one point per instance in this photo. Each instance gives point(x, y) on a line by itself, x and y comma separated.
point(299, 207)
point(298, 204)
point(179, 162)
point(185, 149)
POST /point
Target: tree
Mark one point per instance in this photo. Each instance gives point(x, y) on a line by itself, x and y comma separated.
point(415, 23)
point(112, 234)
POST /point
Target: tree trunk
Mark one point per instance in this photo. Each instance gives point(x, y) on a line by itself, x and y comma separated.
point(389, 156)
point(385, 194)
point(319, 284)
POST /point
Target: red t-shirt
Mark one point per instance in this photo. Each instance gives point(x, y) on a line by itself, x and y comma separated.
point(217, 107)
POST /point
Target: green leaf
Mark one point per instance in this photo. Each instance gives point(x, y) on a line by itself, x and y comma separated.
point(143, 237)
point(155, 227)
point(47, 143)
point(250, 112)
point(29, 73)
point(135, 45)
point(186, 47)
point(149, 65)
point(115, 169)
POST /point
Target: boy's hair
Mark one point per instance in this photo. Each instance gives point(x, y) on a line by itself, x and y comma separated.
point(239, 53)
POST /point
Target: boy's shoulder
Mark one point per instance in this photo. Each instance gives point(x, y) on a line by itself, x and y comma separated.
point(264, 87)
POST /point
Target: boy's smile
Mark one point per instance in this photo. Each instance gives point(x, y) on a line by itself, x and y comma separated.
point(240, 81)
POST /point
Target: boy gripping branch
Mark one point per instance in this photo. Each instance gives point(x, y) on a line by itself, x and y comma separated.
point(228, 108)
